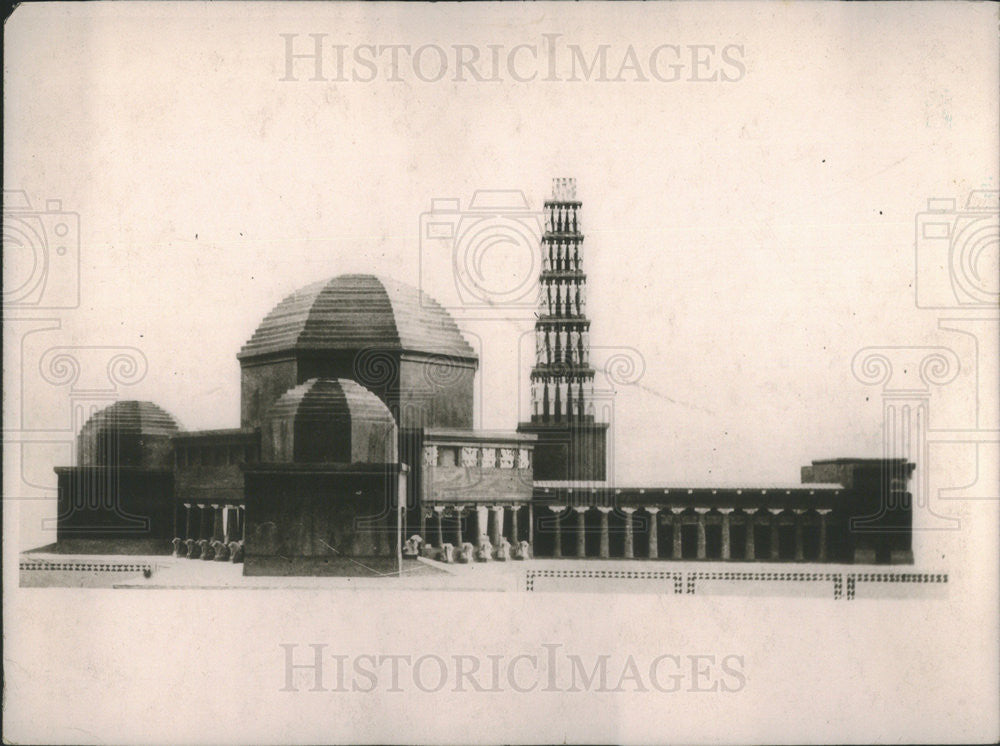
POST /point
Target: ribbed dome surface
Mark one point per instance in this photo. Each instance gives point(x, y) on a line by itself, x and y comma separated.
point(325, 399)
point(127, 433)
point(329, 420)
point(351, 312)
point(132, 417)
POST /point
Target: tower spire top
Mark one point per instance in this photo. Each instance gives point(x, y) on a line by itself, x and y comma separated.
point(564, 189)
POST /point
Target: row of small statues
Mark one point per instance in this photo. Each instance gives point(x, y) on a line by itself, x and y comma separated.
point(206, 549)
point(562, 346)
point(562, 219)
point(564, 189)
point(565, 258)
point(483, 551)
point(561, 299)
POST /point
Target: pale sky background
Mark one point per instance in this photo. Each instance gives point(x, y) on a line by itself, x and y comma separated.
point(747, 238)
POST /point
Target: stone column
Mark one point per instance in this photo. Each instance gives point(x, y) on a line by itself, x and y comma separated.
point(514, 538)
point(217, 523)
point(605, 534)
point(202, 518)
point(213, 516)
point(750, 551)
point(235, 528)
point(799, 551)
point(629, 550)
point(775, 512)
point(823, 512)
point(221, 533)
point(581, 530)
point(242, 512)
point(654, 537)
point(482, 521)
point(227, 523)
point(726, 550)
point(557, 549)
point(458, 527)
point(439, 511)
point(531, 525)
point(497, 533)
point(187, 522)
point(675, 520)
point(423, 523)
point(701, 531)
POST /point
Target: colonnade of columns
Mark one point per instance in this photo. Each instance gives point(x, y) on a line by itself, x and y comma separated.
point(701, 518)
point(210, 531)
point(492, 539)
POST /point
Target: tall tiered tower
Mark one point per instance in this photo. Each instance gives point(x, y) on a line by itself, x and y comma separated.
point(571, 443)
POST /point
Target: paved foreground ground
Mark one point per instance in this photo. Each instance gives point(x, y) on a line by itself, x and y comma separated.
point(45, 569)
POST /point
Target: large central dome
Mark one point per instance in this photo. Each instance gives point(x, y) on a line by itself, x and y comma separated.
point(351, 312)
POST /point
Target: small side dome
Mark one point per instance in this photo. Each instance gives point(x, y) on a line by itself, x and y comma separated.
point(329, 420)
point(128, 433)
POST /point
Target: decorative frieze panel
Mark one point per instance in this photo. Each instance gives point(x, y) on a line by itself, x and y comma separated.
point(469, 457)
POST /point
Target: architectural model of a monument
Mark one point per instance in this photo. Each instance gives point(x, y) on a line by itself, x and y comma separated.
point(356, 456)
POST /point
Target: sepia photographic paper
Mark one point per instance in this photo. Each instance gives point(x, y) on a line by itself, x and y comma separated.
point(501, 373)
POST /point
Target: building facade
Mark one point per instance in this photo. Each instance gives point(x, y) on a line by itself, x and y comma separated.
point(356, 450)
